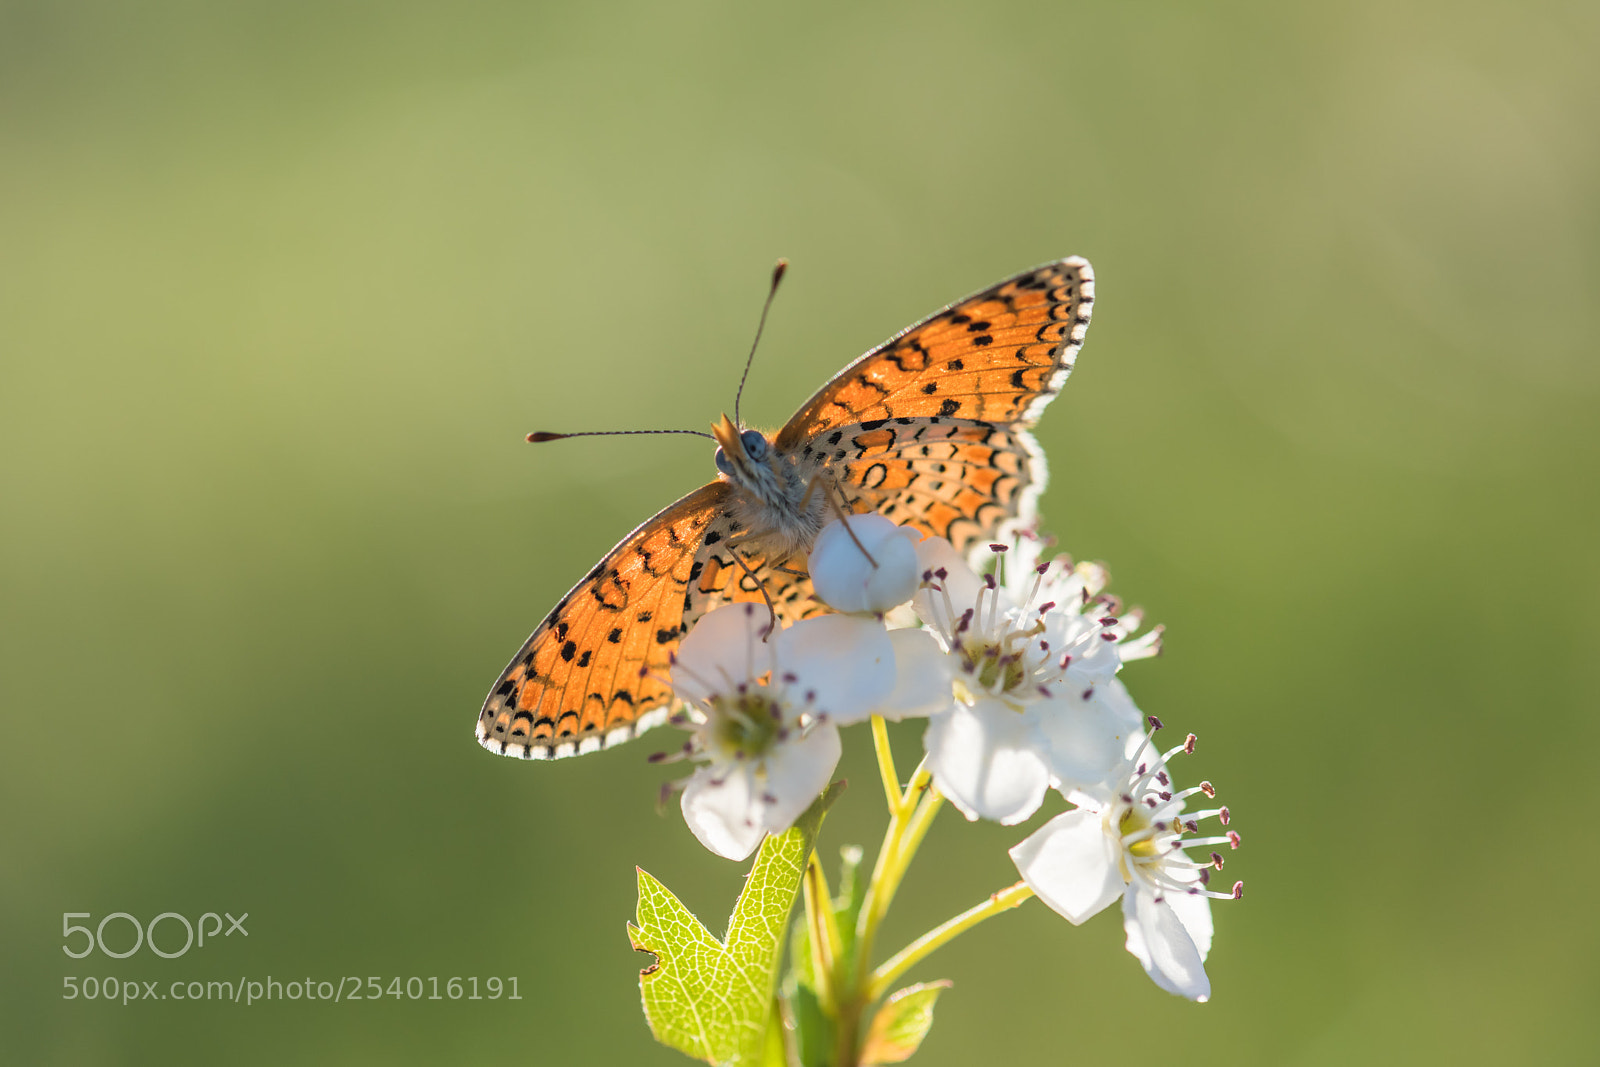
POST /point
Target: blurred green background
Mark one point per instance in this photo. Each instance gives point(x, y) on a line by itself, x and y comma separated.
point(283, 285)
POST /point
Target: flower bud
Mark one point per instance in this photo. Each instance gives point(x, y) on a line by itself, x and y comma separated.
point(868, 566)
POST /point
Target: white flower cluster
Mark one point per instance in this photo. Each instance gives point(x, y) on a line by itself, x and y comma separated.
point(1016, 672)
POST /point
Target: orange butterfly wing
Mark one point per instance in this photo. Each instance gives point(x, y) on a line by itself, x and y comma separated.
point(577, 683)
point(930, 427)
point(997, 357)
point(969, 482)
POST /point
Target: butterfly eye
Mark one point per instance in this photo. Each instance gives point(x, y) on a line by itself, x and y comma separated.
point(722, 463)
point(755, 445)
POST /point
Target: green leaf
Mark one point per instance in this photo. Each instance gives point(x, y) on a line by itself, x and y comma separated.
point(813, 1030)
point(713, 999)
point(776, 1052)
point(901, 1024)
point(801, 969)
point(848, 906)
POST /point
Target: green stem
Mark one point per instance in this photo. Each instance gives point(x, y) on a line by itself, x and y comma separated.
point(891, 779)
point(849, 1002)
point(909, 815)
point(889, 867)
point(910, 840)
point(900, 962)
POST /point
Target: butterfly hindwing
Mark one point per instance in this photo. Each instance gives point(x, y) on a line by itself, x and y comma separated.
point(578, 684)
point(997, 356)
point(721, 579)
point(966, 481)
point(591, 676)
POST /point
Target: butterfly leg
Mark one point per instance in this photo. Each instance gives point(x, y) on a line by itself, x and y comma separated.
point(772, 609)
point(831, 492)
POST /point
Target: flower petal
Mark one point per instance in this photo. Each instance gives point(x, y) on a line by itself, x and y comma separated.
point(796, 771)
point(843, 665)
point(1194, 911)
point(1114, 696)
point(922, 676)
point(985, 760)
point(1084, 742)
point(1071, 864)
point(1027, 551)
point(722, 650)
point(1159, 940)
point(719, 806)
point(1094, 659)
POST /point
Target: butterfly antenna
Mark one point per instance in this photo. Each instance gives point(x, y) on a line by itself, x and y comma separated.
point(541, 435)
point(777, 276)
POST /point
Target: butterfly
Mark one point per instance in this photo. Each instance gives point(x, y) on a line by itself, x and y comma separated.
point(929, 428)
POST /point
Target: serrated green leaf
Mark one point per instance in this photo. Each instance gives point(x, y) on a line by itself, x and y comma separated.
point(901, 1024)
point(713, 999)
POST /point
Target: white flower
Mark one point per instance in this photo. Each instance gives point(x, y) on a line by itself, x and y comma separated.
point(765, 715)
point(1132, 846)
point(1036, 702)
point(867, 566)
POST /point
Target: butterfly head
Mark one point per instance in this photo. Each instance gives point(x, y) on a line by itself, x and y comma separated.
point(739, 455)
point(746, 459)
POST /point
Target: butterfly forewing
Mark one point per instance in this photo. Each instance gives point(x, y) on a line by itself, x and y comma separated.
point(997, 356)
